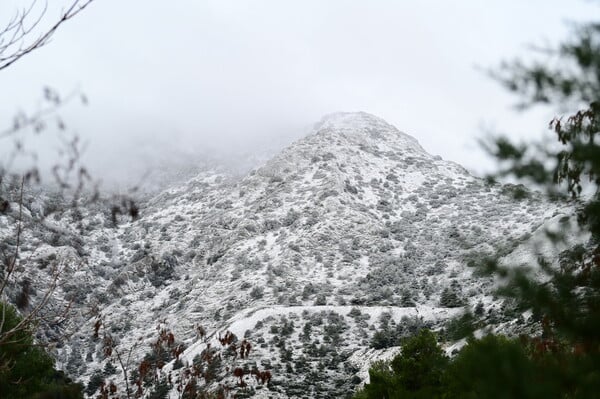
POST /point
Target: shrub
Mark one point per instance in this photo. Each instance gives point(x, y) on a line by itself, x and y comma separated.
point(257, 292)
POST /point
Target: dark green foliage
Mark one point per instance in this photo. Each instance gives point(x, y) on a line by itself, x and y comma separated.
point(160, 390)
point(177, 364)
point(162, 270)
point(406, 299)
point(421, 364)
point(94, 383)
point(63, 388)
point(479, 309)
point(321, 300)
point(384, 339)
point(213, 369)
point(569, 303)
point(460, 327)
point(450, 298)
point(564, 361)
point(574, 80)
point(416, 373)
point(306, 331)
point(390, 334)
point(496, 367)
point(493, 367)
point(109, 369)
point(257, 292)
point(26, 370)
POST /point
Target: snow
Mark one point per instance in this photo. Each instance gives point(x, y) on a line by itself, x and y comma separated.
point(357, 212)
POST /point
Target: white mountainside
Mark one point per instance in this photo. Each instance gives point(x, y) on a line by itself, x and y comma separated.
point(352, 229)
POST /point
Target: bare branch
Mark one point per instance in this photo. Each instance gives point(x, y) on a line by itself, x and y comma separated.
point(15, 37)
point(37, 119)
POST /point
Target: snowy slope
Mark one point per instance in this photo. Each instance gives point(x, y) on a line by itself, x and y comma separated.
point(354, 221)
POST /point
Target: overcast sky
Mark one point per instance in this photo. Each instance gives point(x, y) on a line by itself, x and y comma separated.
point(234, 76)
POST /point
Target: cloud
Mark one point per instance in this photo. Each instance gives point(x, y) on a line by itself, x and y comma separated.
point(230, 76)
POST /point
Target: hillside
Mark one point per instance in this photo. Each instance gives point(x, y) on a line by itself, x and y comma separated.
point(353, 229)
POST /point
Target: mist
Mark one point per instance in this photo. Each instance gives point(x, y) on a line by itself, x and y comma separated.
point(190, 83)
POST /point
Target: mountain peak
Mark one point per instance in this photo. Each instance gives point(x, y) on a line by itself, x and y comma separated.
point(350, 121)
point(364, 128)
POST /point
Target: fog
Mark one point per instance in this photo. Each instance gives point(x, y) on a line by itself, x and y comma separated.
point(180, 81)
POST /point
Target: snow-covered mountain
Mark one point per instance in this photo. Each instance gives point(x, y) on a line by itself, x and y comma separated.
point(351, 229)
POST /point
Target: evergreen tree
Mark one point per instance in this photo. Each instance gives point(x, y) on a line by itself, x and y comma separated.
point(26, 370)
point(497, 367)
point(416, 373)
point(564, 361)
point(567, 299)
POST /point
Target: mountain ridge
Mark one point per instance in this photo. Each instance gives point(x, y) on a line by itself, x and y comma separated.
point(356, 215)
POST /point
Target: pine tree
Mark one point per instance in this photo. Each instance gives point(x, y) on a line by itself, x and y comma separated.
point(564, 360)
point(418, 372)
point(26, 370)
point(567, 303)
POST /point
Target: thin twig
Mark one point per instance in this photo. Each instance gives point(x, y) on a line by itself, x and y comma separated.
point(19, 32)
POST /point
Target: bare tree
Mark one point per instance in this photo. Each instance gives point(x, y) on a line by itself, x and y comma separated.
point(18, 38)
